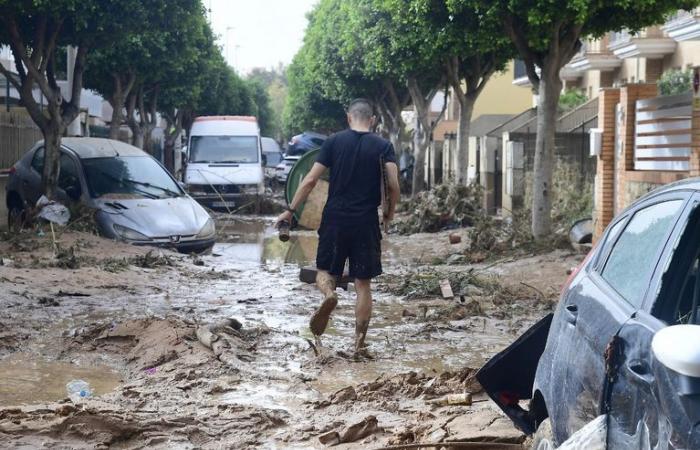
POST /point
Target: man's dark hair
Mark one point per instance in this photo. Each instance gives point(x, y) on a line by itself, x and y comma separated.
point(361, 110)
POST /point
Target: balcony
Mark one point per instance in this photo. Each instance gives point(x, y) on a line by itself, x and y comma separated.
point(684, 25)
point(594, 55)
point(649, 43)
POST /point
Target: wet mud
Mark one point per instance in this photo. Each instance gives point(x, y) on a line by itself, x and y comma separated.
point(126, 320)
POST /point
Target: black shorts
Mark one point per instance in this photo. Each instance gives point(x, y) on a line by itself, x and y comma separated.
point(360, 244)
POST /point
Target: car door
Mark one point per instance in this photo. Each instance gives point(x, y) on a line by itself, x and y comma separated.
point(647, 405)
point(598, 306)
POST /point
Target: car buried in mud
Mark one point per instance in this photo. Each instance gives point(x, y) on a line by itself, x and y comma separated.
point(623, 345)
point(135, 199)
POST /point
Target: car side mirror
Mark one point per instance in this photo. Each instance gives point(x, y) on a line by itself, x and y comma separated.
point(676, 347)
point(264, 159)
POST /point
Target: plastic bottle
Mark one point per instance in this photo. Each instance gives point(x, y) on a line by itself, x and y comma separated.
point(283, 230)
point(78, 390)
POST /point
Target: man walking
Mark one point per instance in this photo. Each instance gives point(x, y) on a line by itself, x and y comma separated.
point(350, 224)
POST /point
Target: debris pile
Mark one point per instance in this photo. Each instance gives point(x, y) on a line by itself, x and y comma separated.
point(444, 206)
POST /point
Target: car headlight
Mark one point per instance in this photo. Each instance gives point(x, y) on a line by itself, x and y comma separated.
point(208, 230)
point(129, 234)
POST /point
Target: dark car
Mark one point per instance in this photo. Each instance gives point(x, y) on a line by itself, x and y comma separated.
point(272, 153)
point(135, 199)
point(624, 340)
point(302, 143)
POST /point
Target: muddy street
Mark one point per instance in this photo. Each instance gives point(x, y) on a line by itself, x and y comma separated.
point(132, 322)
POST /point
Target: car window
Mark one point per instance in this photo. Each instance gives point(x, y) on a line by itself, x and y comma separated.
point(610, 237)
point(634, 255)
point(68, 175)
point(38, 161)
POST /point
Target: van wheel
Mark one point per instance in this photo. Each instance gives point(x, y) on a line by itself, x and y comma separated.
point(543, 439)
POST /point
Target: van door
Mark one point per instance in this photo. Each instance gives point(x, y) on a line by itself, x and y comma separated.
point(647, 405)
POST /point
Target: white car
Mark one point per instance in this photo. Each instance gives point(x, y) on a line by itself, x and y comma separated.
point(283, 168)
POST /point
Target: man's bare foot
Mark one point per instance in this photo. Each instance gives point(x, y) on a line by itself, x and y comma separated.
point(319, 321)
point(362, 354)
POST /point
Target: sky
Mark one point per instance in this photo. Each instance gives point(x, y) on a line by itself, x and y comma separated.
point(262, 33)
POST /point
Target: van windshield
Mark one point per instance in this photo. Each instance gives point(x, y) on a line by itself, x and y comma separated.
point(224, 149)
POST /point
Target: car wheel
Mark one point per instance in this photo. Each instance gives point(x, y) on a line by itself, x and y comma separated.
point(15, 218)
point(543, 439)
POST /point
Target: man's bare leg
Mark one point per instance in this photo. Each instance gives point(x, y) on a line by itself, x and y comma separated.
point(363, 312)
point(326, 284)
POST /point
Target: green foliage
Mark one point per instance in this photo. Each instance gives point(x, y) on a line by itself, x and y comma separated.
point(676, 81)
point(261, 106)
point(274, 82)
point(571, 99)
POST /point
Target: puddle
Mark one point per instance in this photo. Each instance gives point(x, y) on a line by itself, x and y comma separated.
point(26, 380)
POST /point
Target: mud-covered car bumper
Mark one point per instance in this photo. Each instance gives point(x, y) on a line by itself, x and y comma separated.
point(185, 246)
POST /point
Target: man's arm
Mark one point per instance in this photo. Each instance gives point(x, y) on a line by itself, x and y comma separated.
point(305, 187)
point(393, 189)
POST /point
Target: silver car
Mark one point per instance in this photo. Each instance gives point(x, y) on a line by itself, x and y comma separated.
point(135, 198)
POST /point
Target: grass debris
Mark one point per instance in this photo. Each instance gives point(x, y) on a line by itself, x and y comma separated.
point(444, 206)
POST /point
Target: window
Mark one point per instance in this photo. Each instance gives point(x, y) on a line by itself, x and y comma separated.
point(224, 149)
point(610, 238)
point(634, 256)
point(38, 161)
point(68, 176)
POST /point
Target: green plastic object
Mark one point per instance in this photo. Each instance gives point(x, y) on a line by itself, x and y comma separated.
point(297, 174)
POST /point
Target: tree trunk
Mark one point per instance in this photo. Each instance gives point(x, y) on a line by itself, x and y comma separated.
point(52, 154)
point(421, 140)
point(466, 108)
point(117, 103)
point(137, 137)
point(549, 91)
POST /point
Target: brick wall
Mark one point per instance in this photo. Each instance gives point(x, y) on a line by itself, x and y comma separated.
point(604, 189)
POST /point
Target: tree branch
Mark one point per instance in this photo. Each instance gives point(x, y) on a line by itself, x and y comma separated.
point(521, 44)
point(9, 76)
point(19, 50)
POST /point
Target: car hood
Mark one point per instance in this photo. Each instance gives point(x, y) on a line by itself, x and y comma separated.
point(181, 216)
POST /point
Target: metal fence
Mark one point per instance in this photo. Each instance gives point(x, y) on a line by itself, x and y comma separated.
point(663, 133)
point(17, 134)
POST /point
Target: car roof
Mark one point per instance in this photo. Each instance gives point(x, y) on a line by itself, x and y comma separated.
point(87, 147)
point(686, 184)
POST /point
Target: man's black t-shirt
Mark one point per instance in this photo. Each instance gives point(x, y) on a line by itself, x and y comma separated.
point(353, 158)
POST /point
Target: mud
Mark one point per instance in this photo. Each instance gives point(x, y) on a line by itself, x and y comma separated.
point(125, 320)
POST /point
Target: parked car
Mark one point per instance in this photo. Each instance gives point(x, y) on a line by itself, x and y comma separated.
point(302, 143)
point(283, 168)
point(224, 165)
point(135, 198)
point(625, 337)
point(272, 156)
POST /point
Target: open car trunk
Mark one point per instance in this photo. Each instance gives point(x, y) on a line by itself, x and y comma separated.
point(509, 376)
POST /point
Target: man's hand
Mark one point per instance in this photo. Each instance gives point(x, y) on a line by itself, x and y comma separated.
point(284, 217)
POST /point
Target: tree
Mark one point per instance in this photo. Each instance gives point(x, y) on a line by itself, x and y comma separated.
point(471, 50)
point(307, 108)
point(261, 106)
point(547, 35)
point(34, 31)
point(676, 81)
point(397, 45)
point(274, 82)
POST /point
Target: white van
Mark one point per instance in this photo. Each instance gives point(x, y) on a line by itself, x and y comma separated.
point(224, 161)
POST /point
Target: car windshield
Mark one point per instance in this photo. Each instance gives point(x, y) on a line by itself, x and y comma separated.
point(269, 145)
point(128, 177)
point(224, 149)
point(273, 158)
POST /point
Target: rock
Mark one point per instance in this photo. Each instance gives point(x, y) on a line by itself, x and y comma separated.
point(455, 238)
